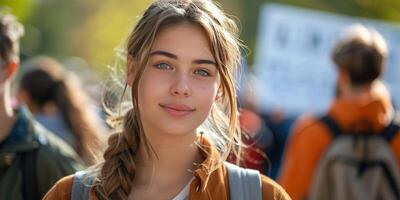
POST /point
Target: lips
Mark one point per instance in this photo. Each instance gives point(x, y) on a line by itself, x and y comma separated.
point(177, 110)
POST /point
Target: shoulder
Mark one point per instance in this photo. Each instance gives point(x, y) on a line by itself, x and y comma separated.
point(307, 130)
point(272, 190)
point(54, 149)
point(73, 186)
point(54, 159)
point(306, 121)
point(61, 190)
point(49, 139)
point(309, 127)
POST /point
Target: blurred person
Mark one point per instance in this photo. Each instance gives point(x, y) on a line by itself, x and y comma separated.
point(183, 124)
point(265, 133)
point(256, 136)
point(32, 159)
point(353, 152)
point(279, 123)
point(58, 102)
point(258, 139)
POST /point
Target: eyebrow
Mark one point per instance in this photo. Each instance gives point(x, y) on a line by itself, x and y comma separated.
point(175, 57)
point(164, 53)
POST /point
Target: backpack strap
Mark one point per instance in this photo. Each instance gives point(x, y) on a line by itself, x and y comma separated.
point(29, 175)
point(388, 132)
point(243, 183)
point(392, 129)
point(81, 185)
point(334, 128)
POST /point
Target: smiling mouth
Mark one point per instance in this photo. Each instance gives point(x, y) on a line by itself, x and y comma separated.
point(177, 110)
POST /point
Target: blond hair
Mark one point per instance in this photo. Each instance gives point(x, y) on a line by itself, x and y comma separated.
point(118, 170)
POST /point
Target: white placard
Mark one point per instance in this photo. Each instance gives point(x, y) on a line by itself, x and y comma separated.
point(293, 68)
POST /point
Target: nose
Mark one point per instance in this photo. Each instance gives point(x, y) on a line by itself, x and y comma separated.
point(181, 86)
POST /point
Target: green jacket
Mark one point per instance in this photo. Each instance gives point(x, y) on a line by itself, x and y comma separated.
point(54, 158)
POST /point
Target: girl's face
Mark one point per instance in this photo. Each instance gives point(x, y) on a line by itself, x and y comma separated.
point(180, 82)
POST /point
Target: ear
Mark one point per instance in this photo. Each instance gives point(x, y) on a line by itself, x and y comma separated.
point(129, 74)
point(343, 77)
point(12, 68)
point(219, 93)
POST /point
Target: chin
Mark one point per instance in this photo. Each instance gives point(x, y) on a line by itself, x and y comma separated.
point(178, 130)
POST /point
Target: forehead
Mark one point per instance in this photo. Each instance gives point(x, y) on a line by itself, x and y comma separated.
point(184, 40)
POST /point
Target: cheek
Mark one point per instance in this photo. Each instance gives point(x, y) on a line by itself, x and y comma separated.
point(207, 94)
point(151, 88)
point(144, 86)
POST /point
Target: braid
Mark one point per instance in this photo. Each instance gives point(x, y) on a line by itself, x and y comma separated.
point(119, 167)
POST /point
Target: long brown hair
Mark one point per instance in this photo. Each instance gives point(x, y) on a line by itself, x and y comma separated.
point(46, 82)
point(118, 170)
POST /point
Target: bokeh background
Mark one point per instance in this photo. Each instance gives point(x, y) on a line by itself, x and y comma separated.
point(89, 31)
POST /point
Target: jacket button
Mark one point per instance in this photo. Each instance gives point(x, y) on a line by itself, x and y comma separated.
point(8, 159)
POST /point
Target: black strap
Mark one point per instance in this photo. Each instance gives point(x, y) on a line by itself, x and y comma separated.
point(392, 129)
point(388, 132)
point(332, 125)
point(391, 180)
point(29, 177)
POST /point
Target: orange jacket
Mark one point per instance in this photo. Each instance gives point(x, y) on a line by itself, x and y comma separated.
point(211, 187)
point(310, 138)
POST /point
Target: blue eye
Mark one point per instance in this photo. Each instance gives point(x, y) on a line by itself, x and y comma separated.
point(201, 72)
point(162, 66)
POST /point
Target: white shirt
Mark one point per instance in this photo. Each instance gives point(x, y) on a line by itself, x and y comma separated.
point(184, 193)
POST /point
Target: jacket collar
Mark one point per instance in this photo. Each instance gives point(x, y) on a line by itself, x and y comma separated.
point(22, 136)
point(205, 169)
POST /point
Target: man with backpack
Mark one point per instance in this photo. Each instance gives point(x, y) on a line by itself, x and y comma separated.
point(31, 158)
point(352, 152)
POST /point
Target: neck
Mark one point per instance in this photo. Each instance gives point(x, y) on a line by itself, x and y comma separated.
point(356, 93)
point(173, 162)
point(6, 112)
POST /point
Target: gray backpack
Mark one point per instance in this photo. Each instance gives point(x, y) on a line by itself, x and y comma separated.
point(244, 184)
point(357, 166)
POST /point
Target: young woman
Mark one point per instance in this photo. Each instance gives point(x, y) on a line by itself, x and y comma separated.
point(58, 102)
point(181, 57)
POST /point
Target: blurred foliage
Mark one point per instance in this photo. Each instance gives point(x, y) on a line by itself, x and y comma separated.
point(93, 29)
point(20, 8)
point(107, 29)
point(75, 28)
